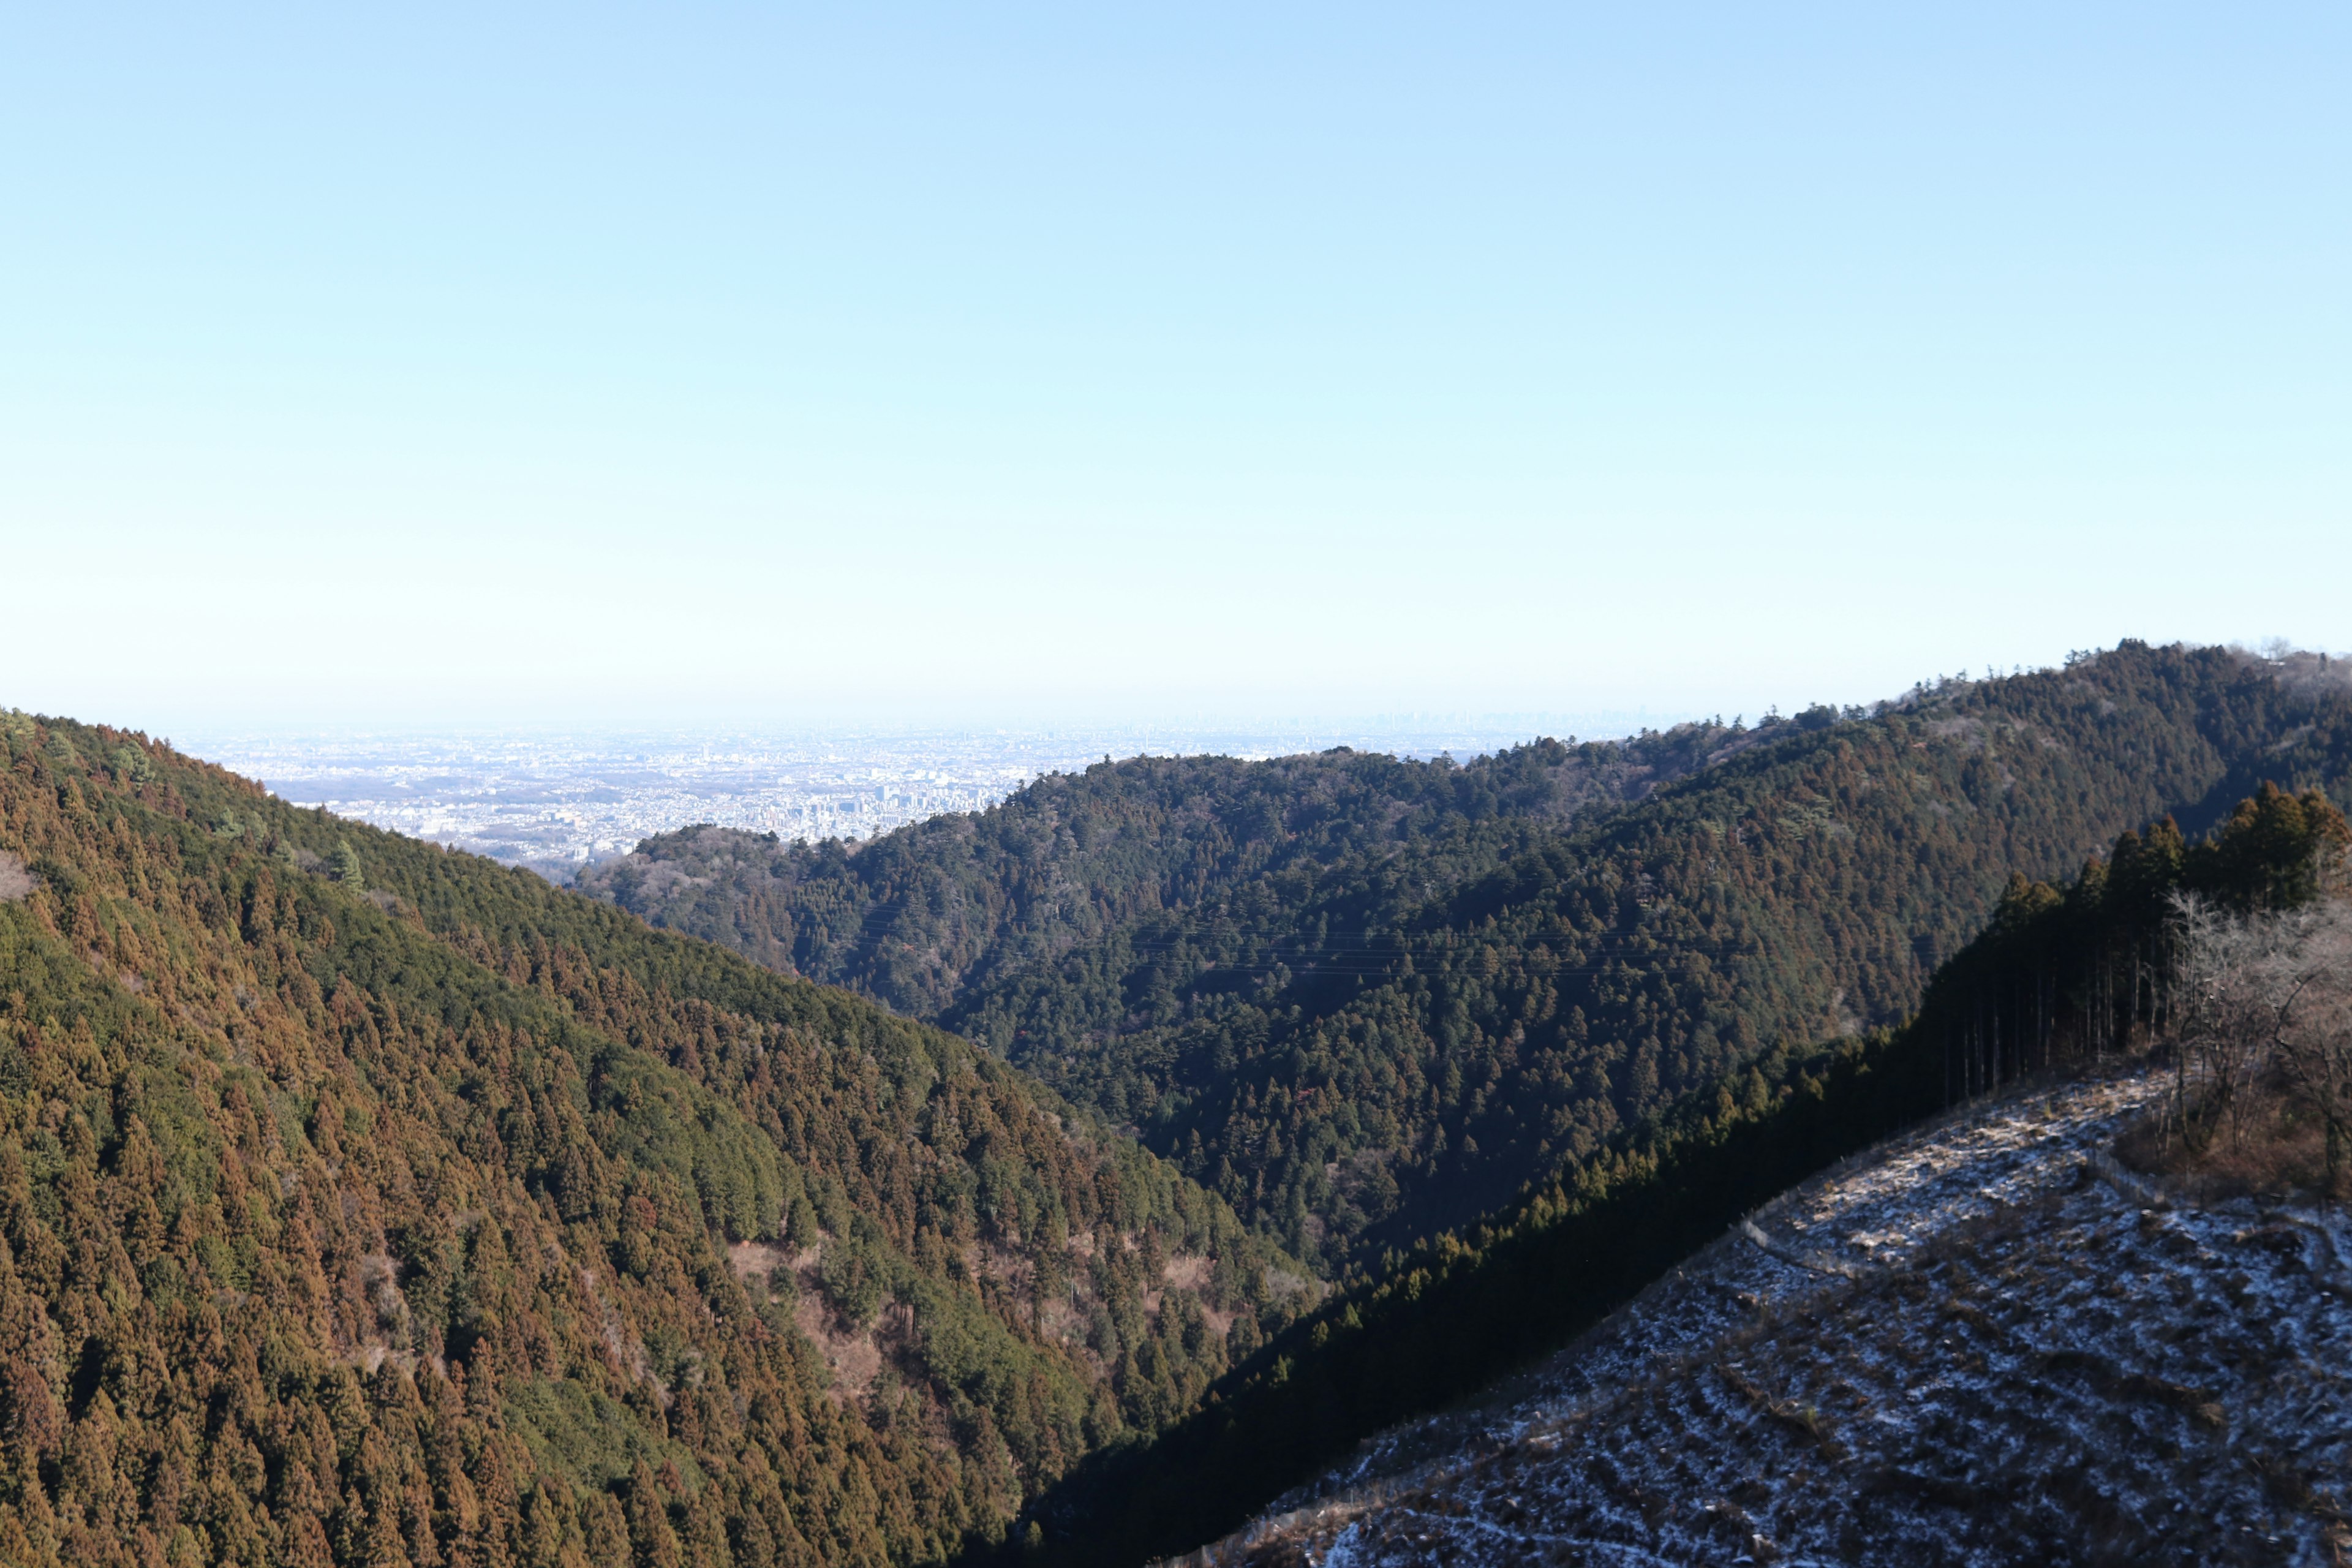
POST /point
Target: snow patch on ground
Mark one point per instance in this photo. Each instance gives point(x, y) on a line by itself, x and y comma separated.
point(1982, 1343)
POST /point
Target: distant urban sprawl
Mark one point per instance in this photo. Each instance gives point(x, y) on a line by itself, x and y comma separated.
point(556, 801)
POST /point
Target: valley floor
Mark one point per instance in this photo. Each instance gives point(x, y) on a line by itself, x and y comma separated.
point(1984, 1343)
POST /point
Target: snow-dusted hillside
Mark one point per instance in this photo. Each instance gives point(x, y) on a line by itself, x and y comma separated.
point(1984, 1343)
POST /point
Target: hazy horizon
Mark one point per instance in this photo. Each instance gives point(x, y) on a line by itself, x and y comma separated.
point(203, 734)
point(466, 366)
point(557, 798)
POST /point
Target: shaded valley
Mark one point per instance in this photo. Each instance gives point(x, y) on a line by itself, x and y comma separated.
point(1367, 1000)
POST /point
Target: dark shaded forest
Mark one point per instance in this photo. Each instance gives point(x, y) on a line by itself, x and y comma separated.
point(1367, 1000)
point(2052, 975)
point(364, 1202)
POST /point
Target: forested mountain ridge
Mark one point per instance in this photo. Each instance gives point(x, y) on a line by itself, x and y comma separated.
point(363, 1201)
point(926, 916)
point(1387, 1037)
point(2064, 979)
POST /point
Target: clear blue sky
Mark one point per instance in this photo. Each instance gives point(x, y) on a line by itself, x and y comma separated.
point(485, 362)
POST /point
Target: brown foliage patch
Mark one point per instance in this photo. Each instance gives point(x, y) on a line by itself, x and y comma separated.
point(2276, 1149)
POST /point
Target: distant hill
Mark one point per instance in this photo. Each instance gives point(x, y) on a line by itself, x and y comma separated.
point(933, 914)
point(363, 1201)
point(1367, 1000)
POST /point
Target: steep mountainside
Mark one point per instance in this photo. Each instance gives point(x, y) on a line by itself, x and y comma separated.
point(1388, 1007)
point(2072, 979)
point(362, 1201)
point(1986, 1344)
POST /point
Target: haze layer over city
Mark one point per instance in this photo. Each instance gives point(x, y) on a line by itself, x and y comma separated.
point(556, 799)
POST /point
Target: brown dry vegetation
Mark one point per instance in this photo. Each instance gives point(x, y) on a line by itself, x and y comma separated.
point(2275, 1151)
point(2261, 1057)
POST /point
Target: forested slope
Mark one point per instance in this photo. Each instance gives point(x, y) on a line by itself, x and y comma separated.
point(366, 1203)
point(2052, 977)
point(1366, 1000)
point(936, 913)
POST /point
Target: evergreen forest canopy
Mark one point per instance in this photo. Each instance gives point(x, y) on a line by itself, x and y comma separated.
point(2104, 968)
point(361, 1202)
point(1367, 1000)
point(364, 1202)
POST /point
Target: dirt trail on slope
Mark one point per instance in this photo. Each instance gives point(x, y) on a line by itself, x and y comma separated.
point(1984, 1343)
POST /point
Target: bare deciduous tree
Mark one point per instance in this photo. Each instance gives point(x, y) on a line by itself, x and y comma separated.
point(2259, 997)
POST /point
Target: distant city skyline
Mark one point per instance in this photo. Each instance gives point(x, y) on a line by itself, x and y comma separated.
point(1412, 726)
point(557, 799)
